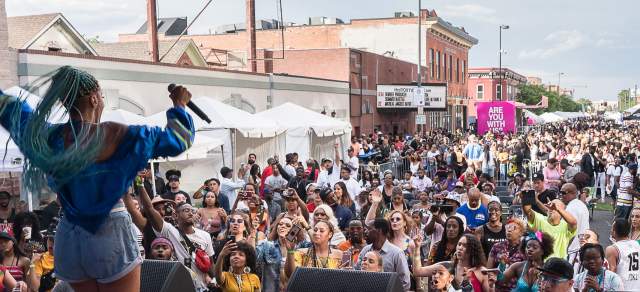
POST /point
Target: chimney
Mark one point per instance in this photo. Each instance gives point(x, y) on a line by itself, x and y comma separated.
point(251, 34)
point(152, 30)
point(8, 56)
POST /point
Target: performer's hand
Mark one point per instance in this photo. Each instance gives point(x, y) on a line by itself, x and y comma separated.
point(180, 96)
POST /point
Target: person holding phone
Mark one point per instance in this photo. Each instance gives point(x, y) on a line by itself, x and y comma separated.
point(560, 224)
point(236, 267)
point(595, 277)
point(271, 253)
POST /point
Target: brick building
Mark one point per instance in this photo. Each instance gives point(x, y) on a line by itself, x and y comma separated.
point(382, 47)
point(484, 85)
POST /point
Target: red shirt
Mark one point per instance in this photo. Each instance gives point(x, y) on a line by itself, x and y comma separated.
point(311, 207)
point(265, 174)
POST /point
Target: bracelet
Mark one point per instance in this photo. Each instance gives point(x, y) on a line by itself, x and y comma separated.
point(291, 251)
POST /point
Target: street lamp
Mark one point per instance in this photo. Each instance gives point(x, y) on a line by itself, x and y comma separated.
point(559, 75)
point(502, 26)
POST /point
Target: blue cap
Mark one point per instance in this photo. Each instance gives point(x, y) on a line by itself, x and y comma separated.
point(632, 165)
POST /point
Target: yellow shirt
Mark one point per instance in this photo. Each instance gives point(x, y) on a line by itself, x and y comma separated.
point(303, 259)
point(44, 265)
point(249, 282)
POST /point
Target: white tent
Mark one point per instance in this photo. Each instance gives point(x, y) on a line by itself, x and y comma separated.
point(123, 117)
point(551, 117)
point(242, 133)
point(632, 110)
point(306, 128)
point(536, 118)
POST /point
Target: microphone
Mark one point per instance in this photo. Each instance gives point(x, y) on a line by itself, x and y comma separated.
point(196, 110)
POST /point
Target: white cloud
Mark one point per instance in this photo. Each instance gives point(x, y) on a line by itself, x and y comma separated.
point(559, 42)
point(104, 18)
point(470, 11)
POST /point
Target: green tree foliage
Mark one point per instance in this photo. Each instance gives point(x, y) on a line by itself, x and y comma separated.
point(532, 94)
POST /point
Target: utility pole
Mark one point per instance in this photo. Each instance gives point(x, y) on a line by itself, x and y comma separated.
point(502, 26)
point(419, 89)
point(152, 30)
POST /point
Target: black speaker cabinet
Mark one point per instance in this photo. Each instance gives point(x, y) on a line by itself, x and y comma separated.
point(321, 280)
point(165, 276)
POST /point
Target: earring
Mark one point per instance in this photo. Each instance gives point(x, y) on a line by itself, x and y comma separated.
point(247, 270)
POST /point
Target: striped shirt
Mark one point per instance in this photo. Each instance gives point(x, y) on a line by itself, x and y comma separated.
point(624, 197)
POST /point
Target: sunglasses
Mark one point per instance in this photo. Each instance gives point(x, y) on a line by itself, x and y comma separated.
point(563, 192)
point(553, 280)
point(395, 219)
point(233, 220)
point(584, 236)
point(288, 225)
point(494, 210)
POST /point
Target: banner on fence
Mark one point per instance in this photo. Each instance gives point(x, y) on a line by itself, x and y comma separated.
point(496, 117)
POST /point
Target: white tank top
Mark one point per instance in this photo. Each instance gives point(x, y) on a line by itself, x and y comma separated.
point(629, 264)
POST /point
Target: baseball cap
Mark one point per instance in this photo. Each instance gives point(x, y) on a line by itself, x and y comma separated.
point(159, 200)
point(460, 184)
point(315, 185)
point(518, 174)
point(537, 176)
point(325, 192)
point(172, 172)
point(7, 236)
point(632, 165)
point(558, 268)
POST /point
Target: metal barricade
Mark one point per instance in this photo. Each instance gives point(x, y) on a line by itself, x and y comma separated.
point(396, 166)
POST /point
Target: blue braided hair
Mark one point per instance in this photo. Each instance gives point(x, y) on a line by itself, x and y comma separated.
point(67, 87)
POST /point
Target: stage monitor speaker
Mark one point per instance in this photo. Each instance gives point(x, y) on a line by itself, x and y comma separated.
point(165, 276)
point(322, 280)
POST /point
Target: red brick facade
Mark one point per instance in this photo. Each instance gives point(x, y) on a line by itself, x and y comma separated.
point(320, 51)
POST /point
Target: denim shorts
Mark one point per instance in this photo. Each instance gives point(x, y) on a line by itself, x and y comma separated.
point(106, 256)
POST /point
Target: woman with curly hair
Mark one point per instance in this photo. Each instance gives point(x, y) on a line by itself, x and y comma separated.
point(536, 247)
point(235, 271)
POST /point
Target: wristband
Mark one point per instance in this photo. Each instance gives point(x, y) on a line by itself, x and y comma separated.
point(291, 251)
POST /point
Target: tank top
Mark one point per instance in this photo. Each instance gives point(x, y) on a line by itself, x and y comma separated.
point(475, 283)
point(629, 264)
point(16, 271)
point(489, 238)
point(522, 285)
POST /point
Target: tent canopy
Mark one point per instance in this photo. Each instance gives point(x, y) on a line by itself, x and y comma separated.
point(123, 117)
point(289, 116)
point(224, 116)
point(632, 110)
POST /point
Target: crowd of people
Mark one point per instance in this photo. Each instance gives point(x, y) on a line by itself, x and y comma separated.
point(445, 211)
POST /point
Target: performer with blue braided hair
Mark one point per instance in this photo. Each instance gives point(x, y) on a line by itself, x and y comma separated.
point(90, 165)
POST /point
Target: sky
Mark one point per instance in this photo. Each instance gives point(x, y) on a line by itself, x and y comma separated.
point(594, 43)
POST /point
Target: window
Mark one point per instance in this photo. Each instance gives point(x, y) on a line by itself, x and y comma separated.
point(464, 71)
point(498, 92)
point(433, 68)
point(450, 67)
point(444, 76)
point(480, 92)
point(438, 65)
point(457, 70)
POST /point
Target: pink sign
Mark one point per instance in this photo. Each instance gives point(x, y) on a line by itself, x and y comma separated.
point(496, 116)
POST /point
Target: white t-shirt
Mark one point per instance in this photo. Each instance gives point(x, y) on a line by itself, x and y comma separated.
point(614, 171)
point(199, 238)
point(354, 163)
point(578, 210)
point(353, 187)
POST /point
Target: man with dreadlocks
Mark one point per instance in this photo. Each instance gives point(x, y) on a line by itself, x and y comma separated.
point(90, 165)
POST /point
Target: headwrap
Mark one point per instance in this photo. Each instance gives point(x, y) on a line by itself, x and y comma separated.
point(535, 236)
point(161, 240)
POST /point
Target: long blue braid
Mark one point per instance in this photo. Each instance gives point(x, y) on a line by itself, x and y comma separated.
point(67, 85)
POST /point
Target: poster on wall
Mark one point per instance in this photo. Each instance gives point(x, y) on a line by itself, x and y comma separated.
point(404, 96)
point(498, 117)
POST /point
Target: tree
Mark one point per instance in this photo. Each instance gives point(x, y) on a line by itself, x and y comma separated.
point(624, 99)
point(532, 94)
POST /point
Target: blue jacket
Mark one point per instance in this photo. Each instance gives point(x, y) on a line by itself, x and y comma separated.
point(88, 198)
